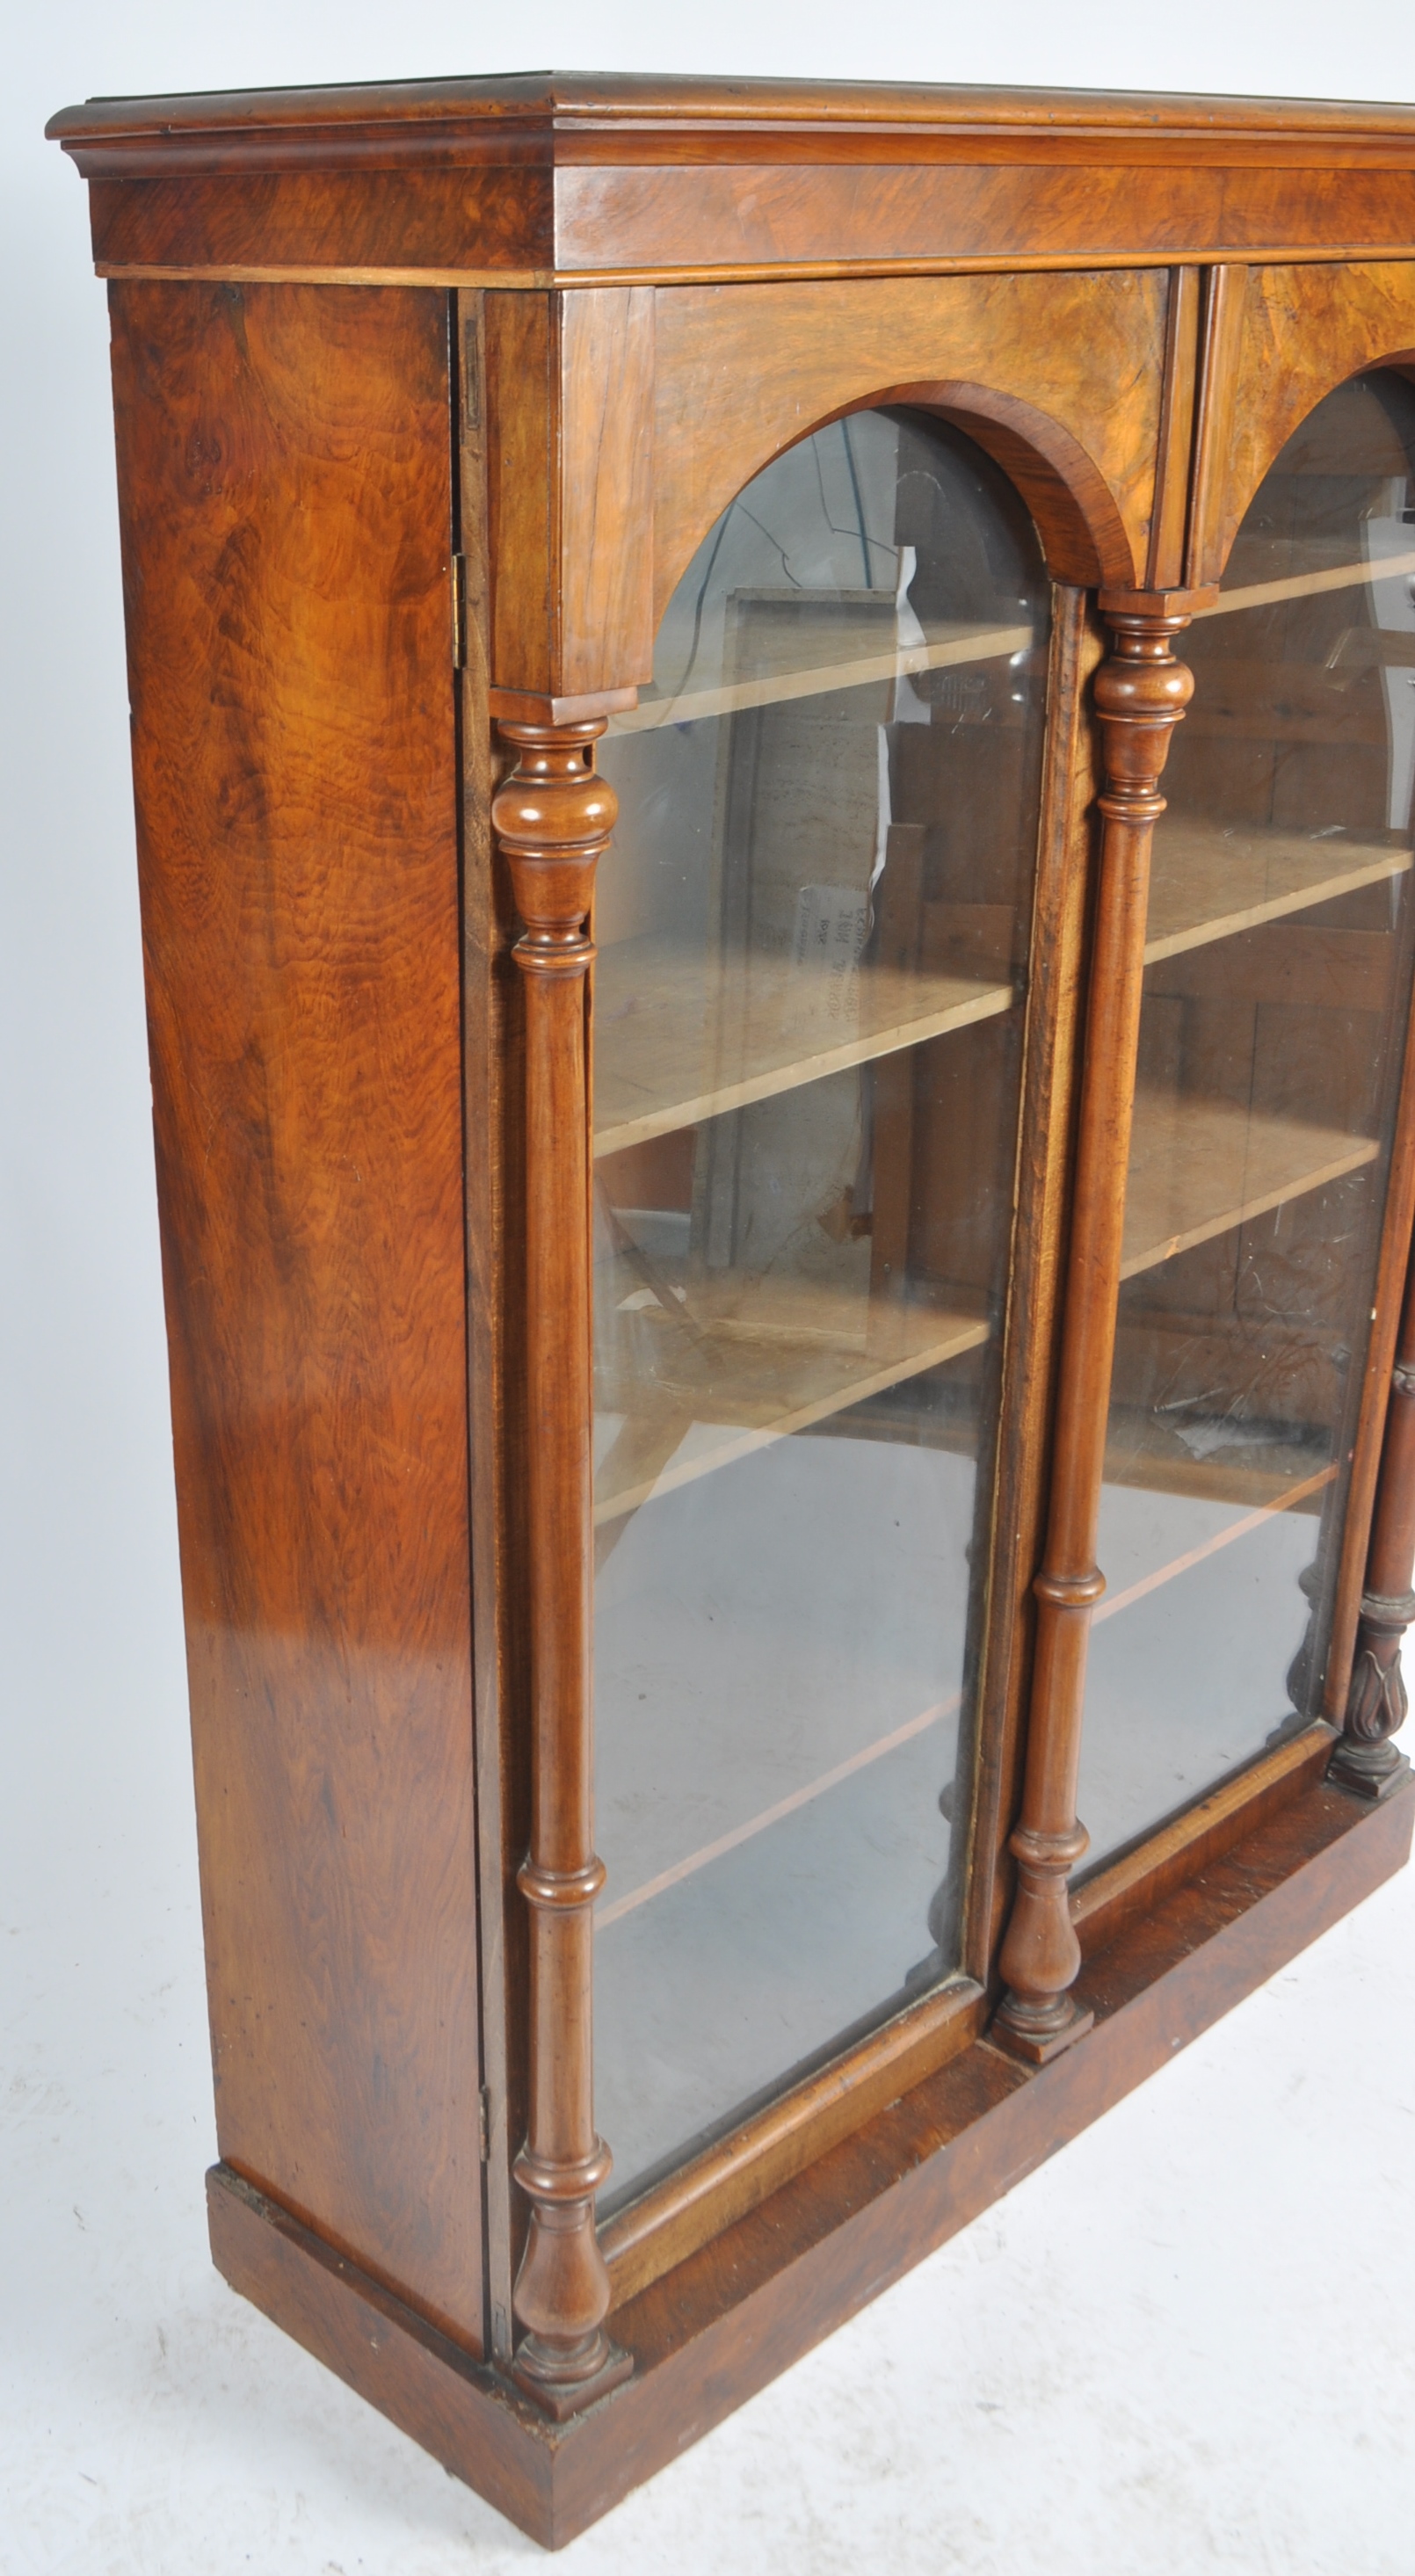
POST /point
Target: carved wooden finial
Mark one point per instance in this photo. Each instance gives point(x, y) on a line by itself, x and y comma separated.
point(553, 817)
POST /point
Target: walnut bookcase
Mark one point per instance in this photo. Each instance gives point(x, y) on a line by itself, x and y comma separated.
point(773, 733)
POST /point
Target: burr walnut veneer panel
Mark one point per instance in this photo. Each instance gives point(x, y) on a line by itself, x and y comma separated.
point(286, 498)
point(1058, 377)
point(621, 421)
point(1278, 340)
point(531, 175)
point(998, 213)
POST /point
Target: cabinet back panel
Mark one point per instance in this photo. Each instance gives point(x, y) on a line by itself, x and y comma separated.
point(285, 477)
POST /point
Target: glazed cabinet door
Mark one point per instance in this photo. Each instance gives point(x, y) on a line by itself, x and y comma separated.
point(803, 906)
point(1277, 981)
point(813, 935)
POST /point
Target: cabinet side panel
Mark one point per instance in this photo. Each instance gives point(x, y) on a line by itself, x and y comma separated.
point(284, 460)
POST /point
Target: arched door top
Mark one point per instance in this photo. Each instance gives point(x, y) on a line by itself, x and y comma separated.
point(1059, 378)
point(1277, 341)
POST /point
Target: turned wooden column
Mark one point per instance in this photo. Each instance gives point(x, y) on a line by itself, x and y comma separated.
point(553, 817)
point(1140, 695)
point(1366, 1760)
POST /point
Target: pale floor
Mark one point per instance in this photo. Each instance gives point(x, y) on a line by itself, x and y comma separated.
point(1186, 2343)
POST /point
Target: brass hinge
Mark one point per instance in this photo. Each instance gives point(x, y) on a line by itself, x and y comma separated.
point(484, 2125)
point(459, 612)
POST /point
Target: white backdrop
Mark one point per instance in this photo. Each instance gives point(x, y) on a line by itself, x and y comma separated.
point(1186, 2344)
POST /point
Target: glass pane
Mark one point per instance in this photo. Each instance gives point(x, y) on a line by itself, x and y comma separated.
point(1276, 997)
point(812, 932)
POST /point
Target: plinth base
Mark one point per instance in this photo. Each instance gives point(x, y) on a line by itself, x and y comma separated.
point(734, 2315)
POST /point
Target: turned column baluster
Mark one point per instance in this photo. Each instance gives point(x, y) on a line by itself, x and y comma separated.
point(1366, 1760)
point(553, 817)
point(1141, 692)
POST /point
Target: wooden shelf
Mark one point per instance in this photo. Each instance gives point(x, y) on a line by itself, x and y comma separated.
point(679, 1038)
point(1290, 1499)
point(770, 1359)
point(1206, 882)
point(1144, 1452)
point(1199, 1167)
point(747, 1363)
point(850, 667)
point(1306, 585)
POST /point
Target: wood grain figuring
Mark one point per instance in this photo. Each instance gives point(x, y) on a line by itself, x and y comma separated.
point(377, 220)
point(569, 397)
point(1140, 695)
point(492, 1087)
point(629, 226)
point(805, 2251)
point(1219, 347)
point(284, 478)
point(665, 219)
point(522, 341)
point(606, 489)
point(1280, 339)
point(553, 818)
point(726, 2321)
point(552, 175)
point(467, 276)
point(1164, 569)
point(741, 376)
